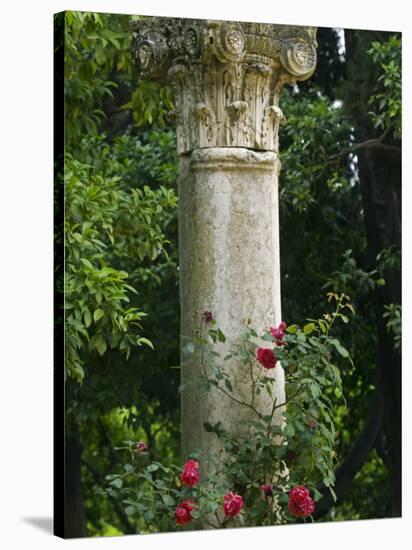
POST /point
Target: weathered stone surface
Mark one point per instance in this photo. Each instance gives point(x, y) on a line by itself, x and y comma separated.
point(229, 264)
point(227, 76)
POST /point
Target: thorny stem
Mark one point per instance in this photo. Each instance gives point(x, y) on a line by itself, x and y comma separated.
point(258, 376)
point(335, 313)
point(238, 401)
point(219, 387)
point(275, 407)
point(254, 382)
point(272, 413)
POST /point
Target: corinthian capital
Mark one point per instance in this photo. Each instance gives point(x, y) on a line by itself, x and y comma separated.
point(226, 76)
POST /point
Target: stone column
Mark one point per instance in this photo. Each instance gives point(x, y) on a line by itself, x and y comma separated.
point(227, 78)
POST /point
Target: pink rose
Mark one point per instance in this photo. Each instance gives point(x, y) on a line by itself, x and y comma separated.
point(190, 474)
point(266, 358)
point(182, 512)
point(232, 504)
point(140, 447)
point(300, 502)
point(278, 333)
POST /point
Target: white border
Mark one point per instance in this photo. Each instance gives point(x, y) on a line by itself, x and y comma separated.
point(26, 269)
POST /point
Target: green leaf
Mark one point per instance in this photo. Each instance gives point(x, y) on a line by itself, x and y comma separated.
point(292, 329)
point(148, 516)
point(87, 318)
point(168, 500)
point(220, 336)
point(118, 482)
point(289, 430)
point(317, 495)
point(314, 390)
point(87, 263)
point(147, 342)
point(339, 348)
point(308, 328)
point(100, 344)
point(212, 428)
point(98, 314)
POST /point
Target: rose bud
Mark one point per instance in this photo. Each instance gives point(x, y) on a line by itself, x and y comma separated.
point(207, 316)
point(190, 474)
point(140, 447)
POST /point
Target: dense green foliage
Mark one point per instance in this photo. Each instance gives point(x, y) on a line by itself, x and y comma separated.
point(386, 102)
point(121, 270)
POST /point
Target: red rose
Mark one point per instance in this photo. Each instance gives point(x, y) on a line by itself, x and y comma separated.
point(207, 316)
point(291, 455)
point(190, 474)
point(300, 502)
point(232, 504)
point(266, 358)
point(182, 513)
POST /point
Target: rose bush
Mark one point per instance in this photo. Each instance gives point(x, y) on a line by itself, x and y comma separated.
point(257, 478)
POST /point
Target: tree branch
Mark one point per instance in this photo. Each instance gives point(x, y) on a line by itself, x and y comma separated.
point(249, 405)
point(374, 143)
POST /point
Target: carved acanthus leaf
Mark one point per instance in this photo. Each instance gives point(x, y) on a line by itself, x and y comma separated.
point(226, 76)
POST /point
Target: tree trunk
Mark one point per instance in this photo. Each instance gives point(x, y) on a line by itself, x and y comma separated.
point(380, 184)
point(75, 515)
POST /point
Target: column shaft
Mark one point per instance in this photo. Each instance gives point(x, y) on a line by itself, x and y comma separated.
point(229, 265)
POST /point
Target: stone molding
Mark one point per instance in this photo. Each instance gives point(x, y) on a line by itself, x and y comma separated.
point(227, 76)
point(233, 158)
